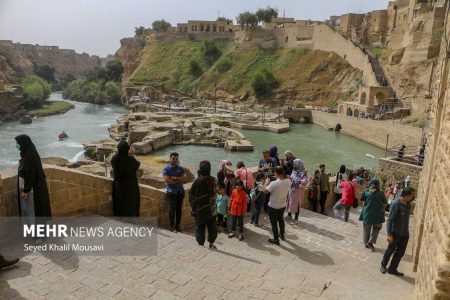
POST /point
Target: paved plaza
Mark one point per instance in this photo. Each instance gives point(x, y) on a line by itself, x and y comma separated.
point(322, 258)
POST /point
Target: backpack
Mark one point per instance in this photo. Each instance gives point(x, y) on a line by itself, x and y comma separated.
point(254, 193)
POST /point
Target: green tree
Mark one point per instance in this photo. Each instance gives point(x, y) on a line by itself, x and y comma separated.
point(114, 70)
point(224, 65)
point(247, 19)
point(139, 30)
point(45, 72)
point(160, 25)
point(113, 91)
point(266, 14)
point(36, 91)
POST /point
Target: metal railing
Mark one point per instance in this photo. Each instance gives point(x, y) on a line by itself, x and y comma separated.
point(414, 155)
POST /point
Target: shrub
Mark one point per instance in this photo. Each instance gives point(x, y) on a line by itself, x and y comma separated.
point(210, 51)
point(36, 91)
point(264, 82)
point(195, 69)
point(224, 65)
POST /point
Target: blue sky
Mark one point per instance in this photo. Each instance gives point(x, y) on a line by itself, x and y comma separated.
point(96, 26)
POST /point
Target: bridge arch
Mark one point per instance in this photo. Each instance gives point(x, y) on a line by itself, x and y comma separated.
point(349, 112)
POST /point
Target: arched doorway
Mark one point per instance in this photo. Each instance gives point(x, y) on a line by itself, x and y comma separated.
point(380, 97)
point(356, 113)
point(362, 100)
point(349, 112)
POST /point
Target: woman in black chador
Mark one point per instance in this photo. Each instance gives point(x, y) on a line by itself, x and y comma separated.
point(33, 193)
point(126, 197)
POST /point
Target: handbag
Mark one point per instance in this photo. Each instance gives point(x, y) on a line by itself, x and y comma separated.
point(355, 199)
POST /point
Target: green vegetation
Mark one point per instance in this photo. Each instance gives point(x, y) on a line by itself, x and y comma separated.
point(139, 30)
point(51, 108)
point(35, 91)
point(195, 69)
point(102, 85)
point(177, 65)
point(416, 122)
point(264, 82)
point(160, 25)
point(266, 14)
point(248, 19)
point(169, 63)
point(45, 72)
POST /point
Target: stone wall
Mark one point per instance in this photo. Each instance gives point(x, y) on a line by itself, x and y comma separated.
point(431, 234)
point(326, 39)
point(74, 193)
point(390, 167)
point(371, 131)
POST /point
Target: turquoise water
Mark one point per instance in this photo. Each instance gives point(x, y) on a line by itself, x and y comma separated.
point(311, 143)
point(88, 122)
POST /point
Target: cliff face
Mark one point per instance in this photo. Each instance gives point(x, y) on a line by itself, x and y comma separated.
point(129, 54)
point(18, 60)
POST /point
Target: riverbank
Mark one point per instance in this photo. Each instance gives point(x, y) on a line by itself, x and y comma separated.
point(50, 108)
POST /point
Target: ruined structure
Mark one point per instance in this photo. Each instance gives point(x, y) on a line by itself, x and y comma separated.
point(201, 26)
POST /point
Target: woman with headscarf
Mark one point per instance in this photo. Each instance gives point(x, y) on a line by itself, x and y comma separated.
point(202, 197)
point(340, 175)
point(225, 176)
point(372, 213)
point(273, 150)
point(296, 195)
point(126, 196)
point(33, 197)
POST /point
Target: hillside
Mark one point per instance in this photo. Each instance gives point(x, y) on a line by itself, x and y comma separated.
point(18, 60)
point(306, 77)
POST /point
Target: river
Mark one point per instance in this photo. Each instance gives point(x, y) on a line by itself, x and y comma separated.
point(88, 122)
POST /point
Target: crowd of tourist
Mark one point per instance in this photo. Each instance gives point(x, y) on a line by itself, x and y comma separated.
point(279, 186)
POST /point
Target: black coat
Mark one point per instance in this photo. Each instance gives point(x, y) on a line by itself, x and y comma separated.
point(30, 169)
point(202, 199)
point(125, 194)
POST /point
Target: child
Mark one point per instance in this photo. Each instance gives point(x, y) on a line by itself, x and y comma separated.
point(222, 208)
point(314, 190)
point(238, 208)
point(258, 198)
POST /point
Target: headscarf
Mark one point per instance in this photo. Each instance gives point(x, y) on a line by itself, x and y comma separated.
point(30, 158)
point(288, 152)
point(273, 150)
point(204, 168)
point(342, 170)
point(223, 164)
point(374, 185)
point(298, 175)
point(123, 148)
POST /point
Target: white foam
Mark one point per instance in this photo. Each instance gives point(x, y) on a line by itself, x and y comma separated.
point(78, 156)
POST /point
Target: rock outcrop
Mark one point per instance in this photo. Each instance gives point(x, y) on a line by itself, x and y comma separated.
point(18, 60)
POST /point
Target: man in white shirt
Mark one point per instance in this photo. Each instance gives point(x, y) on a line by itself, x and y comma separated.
point(278, 190)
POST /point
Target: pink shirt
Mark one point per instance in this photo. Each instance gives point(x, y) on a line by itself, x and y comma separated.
point(348, 194)
point(246, 176)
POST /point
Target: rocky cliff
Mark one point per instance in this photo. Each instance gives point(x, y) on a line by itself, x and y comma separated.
point(18, 60)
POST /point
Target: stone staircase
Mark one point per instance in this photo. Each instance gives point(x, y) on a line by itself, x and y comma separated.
point(322, 258)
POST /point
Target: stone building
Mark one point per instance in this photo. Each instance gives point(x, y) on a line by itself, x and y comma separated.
point(278, 22)
point(369, 100)
point(349, 22)
point(373, 28)
point(199, 26)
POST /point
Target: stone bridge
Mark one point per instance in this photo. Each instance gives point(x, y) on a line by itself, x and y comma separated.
point(298, 115)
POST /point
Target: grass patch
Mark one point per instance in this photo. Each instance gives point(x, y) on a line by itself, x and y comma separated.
point(51, 108)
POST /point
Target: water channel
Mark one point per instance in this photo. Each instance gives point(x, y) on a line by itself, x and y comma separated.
point(88, 122)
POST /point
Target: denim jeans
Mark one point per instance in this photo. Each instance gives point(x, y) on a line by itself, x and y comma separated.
point(259, 204)
point(398, 248)
point(337, 211)
point(276, 217)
